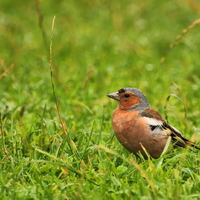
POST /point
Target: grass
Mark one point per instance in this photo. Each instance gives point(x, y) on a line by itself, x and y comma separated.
point(57, 142)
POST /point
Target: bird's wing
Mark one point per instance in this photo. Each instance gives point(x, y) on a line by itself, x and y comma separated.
point(160, 127)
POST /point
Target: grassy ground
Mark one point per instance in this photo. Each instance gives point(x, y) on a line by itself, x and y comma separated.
point(65, 149)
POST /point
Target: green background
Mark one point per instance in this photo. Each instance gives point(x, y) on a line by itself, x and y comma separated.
point(97, 48)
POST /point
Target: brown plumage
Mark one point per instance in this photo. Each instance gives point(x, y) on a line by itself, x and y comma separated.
point(137, 126)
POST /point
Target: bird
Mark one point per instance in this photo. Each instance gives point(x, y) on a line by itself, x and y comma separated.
point(140, 128)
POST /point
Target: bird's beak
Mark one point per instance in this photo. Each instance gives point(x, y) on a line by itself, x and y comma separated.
point(114, 95)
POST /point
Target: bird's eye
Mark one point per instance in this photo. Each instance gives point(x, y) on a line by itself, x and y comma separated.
point(127, 95)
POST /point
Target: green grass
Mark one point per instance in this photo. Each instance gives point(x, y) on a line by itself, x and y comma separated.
point(66, 149)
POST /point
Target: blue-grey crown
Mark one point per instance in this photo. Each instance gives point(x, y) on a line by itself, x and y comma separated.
point(144, 103)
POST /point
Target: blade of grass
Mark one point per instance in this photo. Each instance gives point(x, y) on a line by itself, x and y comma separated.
point(61, 163)
point(135, 164)
point(184, 32)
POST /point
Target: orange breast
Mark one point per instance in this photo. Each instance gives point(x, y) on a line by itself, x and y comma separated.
point(132, 130)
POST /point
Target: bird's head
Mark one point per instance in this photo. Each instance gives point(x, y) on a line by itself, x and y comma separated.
point(130, 99)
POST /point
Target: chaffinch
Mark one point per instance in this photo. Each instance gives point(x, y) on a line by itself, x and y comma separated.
point(139, 127)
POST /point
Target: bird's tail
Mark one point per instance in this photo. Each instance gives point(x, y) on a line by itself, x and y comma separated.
point(192, 144)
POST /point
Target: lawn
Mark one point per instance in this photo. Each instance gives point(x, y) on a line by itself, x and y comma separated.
point(59, 60)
